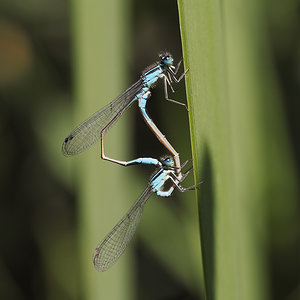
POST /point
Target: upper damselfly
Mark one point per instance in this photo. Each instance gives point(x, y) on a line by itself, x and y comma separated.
point(94, 128)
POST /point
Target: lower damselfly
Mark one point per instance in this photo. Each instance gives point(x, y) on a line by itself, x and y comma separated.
point(95, 127)
point(115, 243)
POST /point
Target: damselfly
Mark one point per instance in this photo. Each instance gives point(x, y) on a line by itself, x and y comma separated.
point(115, 243)
point(94, 128)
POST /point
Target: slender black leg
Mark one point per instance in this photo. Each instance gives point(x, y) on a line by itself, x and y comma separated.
point(166, 84)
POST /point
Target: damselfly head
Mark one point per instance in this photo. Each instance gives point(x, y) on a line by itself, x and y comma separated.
point(166, 58)
point(167, 161)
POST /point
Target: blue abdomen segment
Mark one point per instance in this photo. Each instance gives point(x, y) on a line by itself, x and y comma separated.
point(143, 103)
point(144, 161)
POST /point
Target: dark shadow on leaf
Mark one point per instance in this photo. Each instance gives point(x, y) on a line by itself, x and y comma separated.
point(206, 203)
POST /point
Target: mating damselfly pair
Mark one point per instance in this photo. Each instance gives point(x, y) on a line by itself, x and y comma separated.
point(168, 168)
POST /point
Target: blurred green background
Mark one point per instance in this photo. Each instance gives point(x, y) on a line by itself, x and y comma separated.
point(60, 62)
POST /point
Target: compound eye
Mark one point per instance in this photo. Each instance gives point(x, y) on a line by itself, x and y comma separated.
point(168, 161)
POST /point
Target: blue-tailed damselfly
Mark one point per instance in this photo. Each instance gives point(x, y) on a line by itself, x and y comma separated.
point(94, 128)
point(115, 243)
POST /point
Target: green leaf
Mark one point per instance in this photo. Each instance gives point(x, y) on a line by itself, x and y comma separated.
point(239, 142)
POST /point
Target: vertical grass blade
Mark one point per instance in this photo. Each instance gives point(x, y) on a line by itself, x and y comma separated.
point(238, 135)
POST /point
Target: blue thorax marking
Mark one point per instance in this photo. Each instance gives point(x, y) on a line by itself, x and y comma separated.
point(158, 181)
point(151, 76)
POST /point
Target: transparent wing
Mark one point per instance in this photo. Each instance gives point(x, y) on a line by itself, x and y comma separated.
point(88, 132)
point(115, 243)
